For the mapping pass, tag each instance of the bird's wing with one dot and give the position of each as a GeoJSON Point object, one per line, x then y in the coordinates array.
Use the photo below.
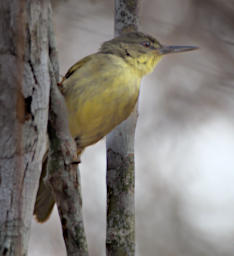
{"type": "Point", "coordinates": [75, 67]}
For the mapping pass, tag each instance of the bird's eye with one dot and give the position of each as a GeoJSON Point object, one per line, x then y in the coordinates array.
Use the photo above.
{"type": "Point", "coordinates": [146, 44]}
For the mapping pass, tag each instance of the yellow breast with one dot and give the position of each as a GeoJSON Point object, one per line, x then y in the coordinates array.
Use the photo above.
{"type": "Point", "coordinates": [99, 95]}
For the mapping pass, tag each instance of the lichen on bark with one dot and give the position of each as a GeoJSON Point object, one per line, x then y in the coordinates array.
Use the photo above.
{"type": "Point", "coordinates": [120, 235]}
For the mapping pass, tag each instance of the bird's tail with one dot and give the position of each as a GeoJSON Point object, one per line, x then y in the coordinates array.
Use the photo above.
{"type": "Point", "coordinates": [44, 201]}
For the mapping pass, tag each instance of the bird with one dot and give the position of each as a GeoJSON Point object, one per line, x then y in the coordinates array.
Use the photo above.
{"type": "Point", "coordinates": [101, 91]}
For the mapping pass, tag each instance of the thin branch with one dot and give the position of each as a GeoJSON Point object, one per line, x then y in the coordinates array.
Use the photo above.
{"type": "Point", "coordinates": [120, 238]}
{"type": "Point", "coordinates": [63, 173]}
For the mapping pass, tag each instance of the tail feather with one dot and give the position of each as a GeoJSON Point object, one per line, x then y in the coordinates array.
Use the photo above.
{"type": "Point", "coordinates": [44, 201]}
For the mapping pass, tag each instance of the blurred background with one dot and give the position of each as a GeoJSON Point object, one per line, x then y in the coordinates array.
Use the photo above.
{"type": "Point", "coordinates": [185, 133]}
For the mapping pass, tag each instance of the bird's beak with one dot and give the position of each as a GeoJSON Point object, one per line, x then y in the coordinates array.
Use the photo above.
{"type": "Point", "coordinates": [175, 49]}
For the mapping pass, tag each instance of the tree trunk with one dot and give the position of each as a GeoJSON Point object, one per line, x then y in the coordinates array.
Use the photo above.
{"type": "Point", "coordinates": [25, 83]}
{"type": "Point", "coordinates": [120, 238]}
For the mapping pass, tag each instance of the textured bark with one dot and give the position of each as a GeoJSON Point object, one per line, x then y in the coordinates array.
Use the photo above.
{"type": "Point", "coordinates": [120, 237]}
{"type": "Point", "coordinates": [25, 83]}
{"type": "Point", "coordinates": [63, 176]}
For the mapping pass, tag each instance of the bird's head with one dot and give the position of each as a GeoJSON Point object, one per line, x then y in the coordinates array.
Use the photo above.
{"type": "Point", "coordinates": [141, 51]}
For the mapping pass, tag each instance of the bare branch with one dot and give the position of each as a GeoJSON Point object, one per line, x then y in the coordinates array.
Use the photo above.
{"type": "Point", "coordinates": [63, 174]}
{"type": "Point", "coordinates": [120, 238]}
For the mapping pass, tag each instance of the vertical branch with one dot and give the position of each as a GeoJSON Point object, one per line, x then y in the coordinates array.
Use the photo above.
{"type": "Point", "coordinates": [63, 174]}
{"type": "Point", "coordinates": [120, 237]}
{"type": "Point", "coordinates": [126, 16]}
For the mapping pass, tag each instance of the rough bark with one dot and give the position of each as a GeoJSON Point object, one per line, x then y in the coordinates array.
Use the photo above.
{"type": "Point", "coordinates": [63, 176]}
{"type": "Point", "coordinates": [120, 237]}
{"type": "Point", "coordinates": [25, 83]}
